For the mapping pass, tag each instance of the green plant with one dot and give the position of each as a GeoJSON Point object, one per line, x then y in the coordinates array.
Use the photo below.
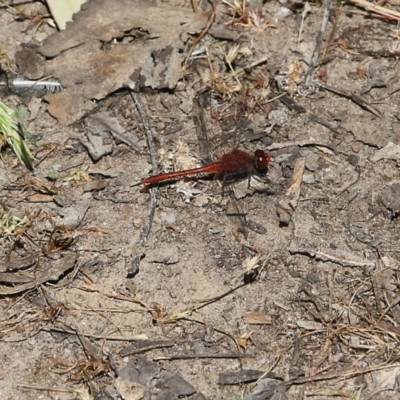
{"type": "Point", "coordinates": [13, 133]}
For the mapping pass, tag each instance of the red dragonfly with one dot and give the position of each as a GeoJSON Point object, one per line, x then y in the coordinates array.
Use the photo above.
{"type": "Point", "coordinates": [232, 165]}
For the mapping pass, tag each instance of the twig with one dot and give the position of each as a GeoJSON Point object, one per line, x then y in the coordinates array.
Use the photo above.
{"type": "Point", "coordinates": [386, 12]}
{"type": "Point", "coordinates": [186, 313]}
{"type": "Point", "coordinates": [318, 120]}
{"type": "Point", "coordinates": [393, 303]}
{"type": "Point", "coordinates": [47, 388]}
{"type": "Point", "coordinates": [275, 362]}
{"type": "Point", "coordinates": [335, 24]}
{"type": "Point", "coordinates": [355, 99]}
{"type": "Point", "coordinates": [146, 346]}
{"type": "Point", "coordinates": [202, 34]}
{"type": "Point", "coordinates": [144, 233]}
{"type": "Point", "coordinates": [194, 6]}
{"type": "Point", "coordinates": [200, 304]}
{"type": "Point", "coordinates": [192, 356]}
{"type": "Point", "coordinates": [352, 183]}
{"type": "Point", "coordinates": [342, 374]}
{"type": "Point", "coordinates": [96, 337]}
{"type": "Point", "coordinates": [256, 63]}
{"type": "Point", "coordinates": [292, 104]}
{"type": "Point", "coordinates": [318, 42]}
{"type": "Point", "coordinates": [350, 260]}
{"type": "Point", "coordinates": [300, 143]}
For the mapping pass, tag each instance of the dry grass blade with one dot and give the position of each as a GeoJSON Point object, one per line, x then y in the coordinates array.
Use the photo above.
{"type": "Point", "coordinates": [318, 41]}
{"type": "Point", "coordinates": [346, 373]}
{"type": "Point", "coordinates": [382, 11]}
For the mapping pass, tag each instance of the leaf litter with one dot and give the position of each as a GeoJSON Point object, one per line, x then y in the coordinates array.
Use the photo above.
{"type": "Point", "coordinates": [108, 47]}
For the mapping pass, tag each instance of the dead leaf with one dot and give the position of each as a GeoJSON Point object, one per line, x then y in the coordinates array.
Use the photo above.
{"type": "Point", "coordinates": [53, 273]}
{"type": "Point", "coordinates": [90, 63]}
{"type": "Point", "coordinates": [62, 11]}
{"type": "Point", "coordinates": [13, 265]}
{"type": "Point", "coordinates": [40, 198]}
{"type": "Point", "coordinates": [256, 318]}
{"type": "Point", "coordinates": [385, 380]}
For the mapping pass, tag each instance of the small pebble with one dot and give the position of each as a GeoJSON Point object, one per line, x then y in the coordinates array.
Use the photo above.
{"type": "Point", "coordinates": [312, 162]}
{"type": "Point", "coordinates": [170, 218]}
{"type": "Point", "coordinates": [356, 147]}
{"type": "Point", "coordinates": [308, 178]}
{"type": "Point", "coordinates": [283, 12]}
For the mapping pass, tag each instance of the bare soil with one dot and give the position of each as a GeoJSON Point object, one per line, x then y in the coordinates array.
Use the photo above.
{"type": "Point", "coordinates": [325, 265]}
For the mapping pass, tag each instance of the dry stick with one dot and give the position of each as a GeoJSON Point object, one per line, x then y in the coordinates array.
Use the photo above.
{"type": "Point", "coordinates": [393, 303]}
{"type": "Point", "coordinates": [194, 356]}
{"type": "Point", "coordinates": [156, 345]}
{"type": "Point", "coordinates": [47, 388]}
{"type": "Point", "coordinates": [202, 34]}
{"type": "Point", "coordinates": [330, 38]}
{"type": "Point", "coordinates": [185, 314]}
{"type": "Point", "coordinates": [353, 98]}
{"type": "Point", "coordinates": [325, 256]}
{"type": "Point", "coordinates": [95, 337]}
{"type": "Point", "coordinates": [144, 233]}
{"type": "Point", "coordinates": [300, 143]}
{"type": "Point", "coordinates": [194, 6]}
{"type": "Point", "coordinates": [318, 42]}
{"type": "Point", "coordinates": [386, 12]}
{"type": "Point", "coordinates": [352, 183]}
{"type": "Point", "coordinates": [293, 105]}
{"type": "Point", "coordinates": [272, 365]}
{"type": "Point", "coordinates": [320, 121]}
{"type": "Point", "coordinates": [342, 374]}
{"type": "Point", "coordinates": [200, 304]}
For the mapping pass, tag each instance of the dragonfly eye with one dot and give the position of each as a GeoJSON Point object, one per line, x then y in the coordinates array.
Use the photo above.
{"type": "Point", "coordinates": [262, 159]}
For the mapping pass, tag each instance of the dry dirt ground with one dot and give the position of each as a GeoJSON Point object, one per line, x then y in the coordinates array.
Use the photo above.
{"type": "Point", "coordinates": [317, 310]}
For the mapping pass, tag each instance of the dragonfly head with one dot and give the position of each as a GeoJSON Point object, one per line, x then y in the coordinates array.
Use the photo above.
{"type": "Point", "coordinates": [261, 159]}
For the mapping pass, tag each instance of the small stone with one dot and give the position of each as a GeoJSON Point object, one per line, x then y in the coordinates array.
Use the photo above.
{"type": "Point", "coordinates": [312, 162]}
{"type": "Point", "coordinates": [176, 384]}
{"type": "Point", "coordinates": [356, 147]}
{"type": "Point", "coordinates": [283, 12]}
{"type": "Point", "coordinates": [94, 144]}
{"type": "Point", "coordinates": [390, 197]}
{"type": "Point", "coordinates": [308, 178]}
{"type": "Point", "coordinates": [170, 218]}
